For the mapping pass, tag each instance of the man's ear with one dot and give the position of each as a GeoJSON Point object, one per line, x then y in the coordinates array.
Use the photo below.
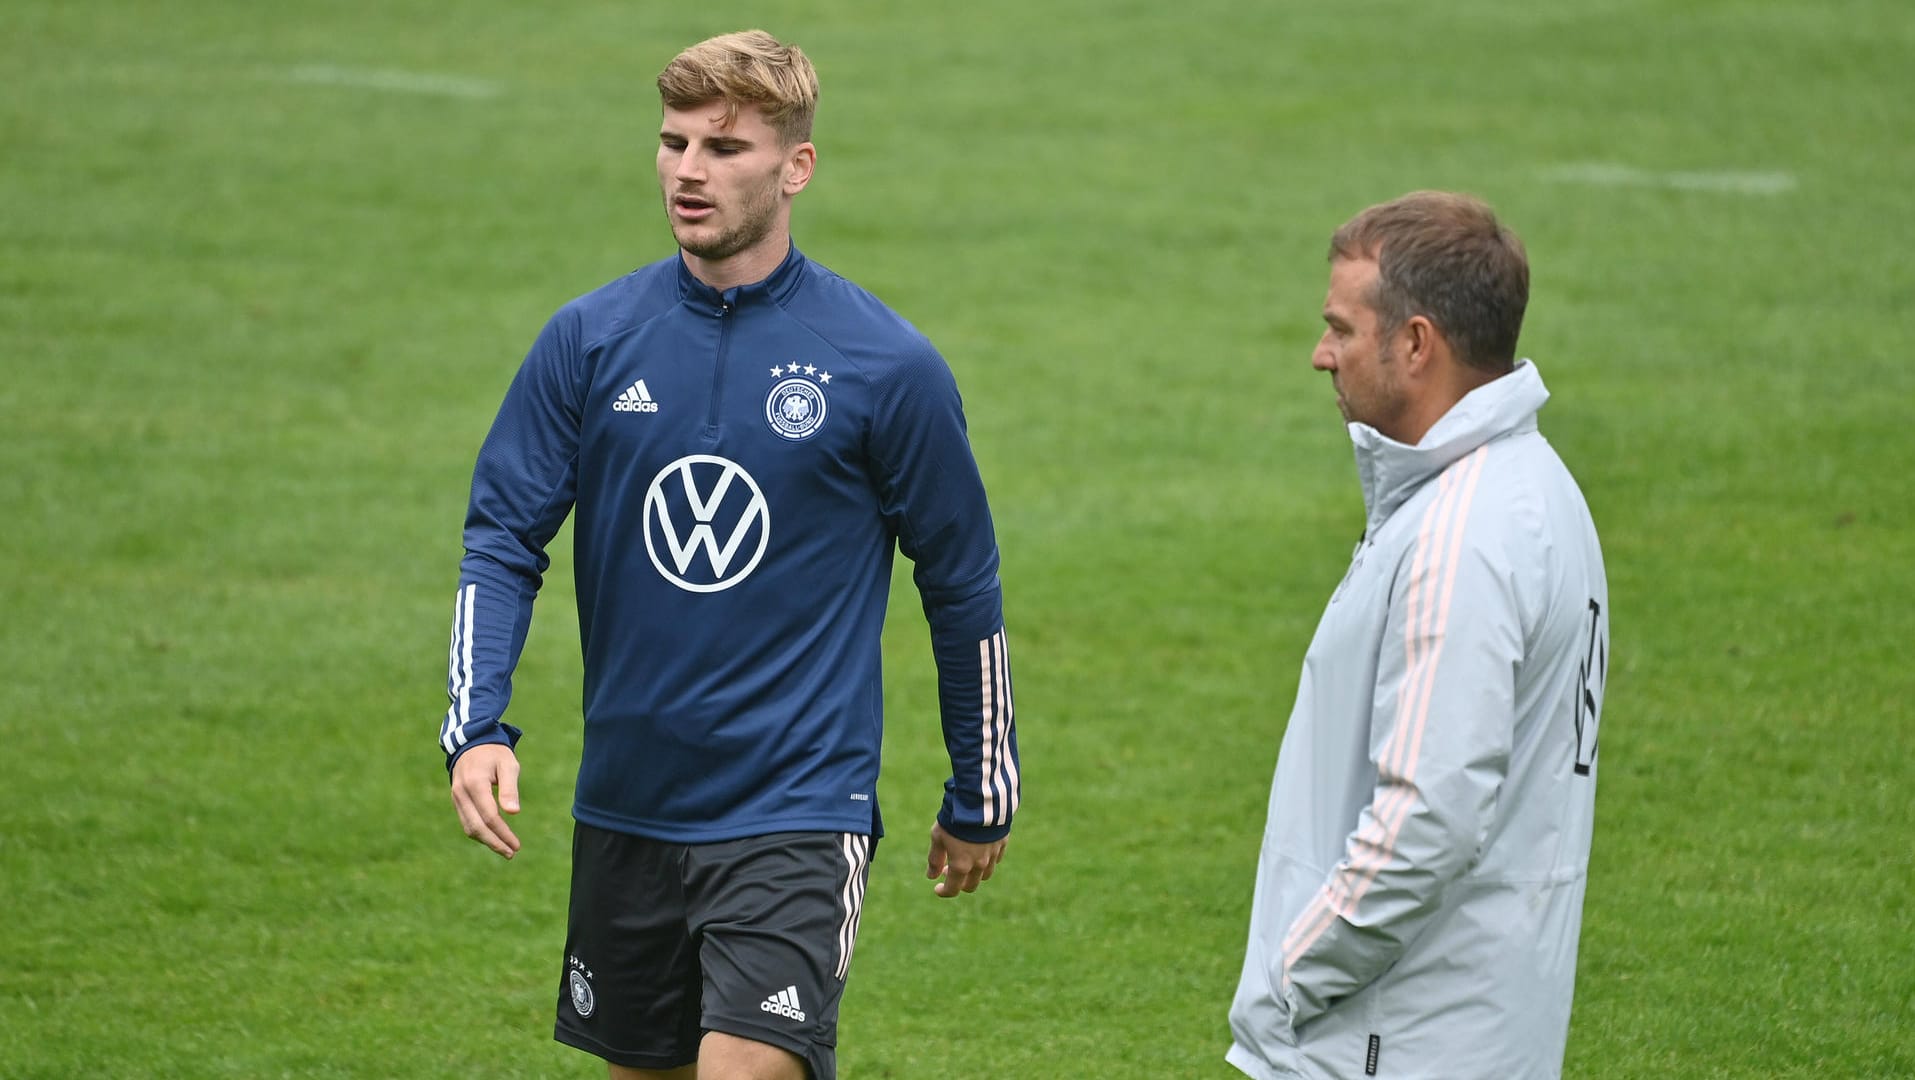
{"type": "Point", "coordinates": [799, 165]}
{"type": "Point", "coordinates": [1423, 343]}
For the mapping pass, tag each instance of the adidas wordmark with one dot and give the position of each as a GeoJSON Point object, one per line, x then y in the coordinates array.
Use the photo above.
{"type": "Point", "coordinates": [785, 1004]}
{"type": "Point", "coordinates": [635, 399]}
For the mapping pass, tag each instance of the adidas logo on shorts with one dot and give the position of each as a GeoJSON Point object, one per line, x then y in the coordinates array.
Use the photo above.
{"type": "Point", "coordinates": [636, 398]}
{"type": "Point", "coordinates": [784, 1003]}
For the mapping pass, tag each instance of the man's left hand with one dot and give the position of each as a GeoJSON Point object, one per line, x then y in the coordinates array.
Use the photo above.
{"type": "Point", "coordinates": [963, 865]}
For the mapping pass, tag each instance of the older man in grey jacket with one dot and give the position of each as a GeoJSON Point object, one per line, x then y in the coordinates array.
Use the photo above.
{"type": "Point", "coordinates": [1420, 889]}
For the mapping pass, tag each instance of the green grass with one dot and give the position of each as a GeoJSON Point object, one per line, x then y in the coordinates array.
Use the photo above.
{"type": "Point", "coordinates": [252, 327]}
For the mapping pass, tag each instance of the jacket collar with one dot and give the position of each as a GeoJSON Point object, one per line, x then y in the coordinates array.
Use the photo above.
{"type": "Point", "coordinates": [775, 287]}
{"type": "Point", "coordinates": [1391, 472]}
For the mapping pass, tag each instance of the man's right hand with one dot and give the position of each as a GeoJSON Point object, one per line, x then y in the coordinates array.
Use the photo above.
{"type": "Point", "coordinates": [479, 772]}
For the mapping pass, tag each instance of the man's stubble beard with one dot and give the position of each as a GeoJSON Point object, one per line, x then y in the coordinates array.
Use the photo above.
{"type": "Point", "coordinates": [759, 217]}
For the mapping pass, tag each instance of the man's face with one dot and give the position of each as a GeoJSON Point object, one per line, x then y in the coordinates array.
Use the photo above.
{"type": "Point", "coordinates": [1365, 369]}
{"type": "Point", "coordinates": [724, 184]}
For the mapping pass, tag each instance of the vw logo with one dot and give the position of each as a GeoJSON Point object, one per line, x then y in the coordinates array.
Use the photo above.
{"type": "Point", "coordinates": [687, 505]}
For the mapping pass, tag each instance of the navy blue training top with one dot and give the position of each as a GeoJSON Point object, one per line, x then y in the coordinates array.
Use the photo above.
{"type": "Point", "coordinates": [743, 465]}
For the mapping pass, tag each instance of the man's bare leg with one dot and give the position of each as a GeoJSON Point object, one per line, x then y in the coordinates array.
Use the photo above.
{"type": "Point", "coordinates": [729, 1057]}
{"type": "Point", "coordinates": [683, 1072]}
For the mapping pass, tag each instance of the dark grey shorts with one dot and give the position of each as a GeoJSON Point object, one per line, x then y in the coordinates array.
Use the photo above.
{"type": "Point", "coordinates": [750, 937]}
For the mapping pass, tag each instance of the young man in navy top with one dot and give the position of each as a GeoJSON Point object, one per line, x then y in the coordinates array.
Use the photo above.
{"type": "Point", "coordinates": [745, 438]}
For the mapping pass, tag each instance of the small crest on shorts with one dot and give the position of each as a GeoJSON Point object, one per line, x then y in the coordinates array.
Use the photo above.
{"type": "Point", "coordinates": [795, 409]}
{"type": "Point", "coordinates": [580, 981]}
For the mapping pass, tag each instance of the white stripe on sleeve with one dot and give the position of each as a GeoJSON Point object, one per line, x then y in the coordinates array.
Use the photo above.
{"type": "Point", "coordinates": [998, 780]}
{"type": "Point", "coordinates": [988, 740]}
{"type": "Point", "coordinates": [459, 673]}
{"type": "Point", "coordinates": [1007, 761]}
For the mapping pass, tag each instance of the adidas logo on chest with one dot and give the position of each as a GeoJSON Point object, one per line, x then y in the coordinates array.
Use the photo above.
{"type": "Point", "coordinates": [636, 398]}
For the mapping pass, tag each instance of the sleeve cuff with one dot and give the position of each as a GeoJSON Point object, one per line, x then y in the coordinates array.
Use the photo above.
{"type": "Point", "coordinates": [973, 834]}
{"type": "Point", "coordinates": [497, 733]}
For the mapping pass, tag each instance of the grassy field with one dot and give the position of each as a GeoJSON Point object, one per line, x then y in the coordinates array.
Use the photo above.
{"type": "Point", "coordinates": [265, 270]}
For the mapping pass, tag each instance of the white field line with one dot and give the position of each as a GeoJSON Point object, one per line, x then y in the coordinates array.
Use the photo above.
{"type": "Point", "coordinates": [1603, 174]}
{"type": "Point", "coordinates": [400, 82]}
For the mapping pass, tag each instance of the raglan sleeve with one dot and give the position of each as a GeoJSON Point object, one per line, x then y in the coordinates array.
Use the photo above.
{"type": "Point", "coordinates": [523, 486]}
{"type": "Point", "coordinates": [1442, 727]}
{"type": "Point", "coordinates": [933, 497]}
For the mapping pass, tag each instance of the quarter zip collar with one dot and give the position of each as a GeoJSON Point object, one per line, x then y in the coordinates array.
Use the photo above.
{"type": "Point", "coordinates": [1391, 472]}
{"type": "Point", "coordinates": [775, 288]}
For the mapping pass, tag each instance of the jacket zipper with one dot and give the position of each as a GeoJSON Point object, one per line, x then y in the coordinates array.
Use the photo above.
{"type": "Point", "coordinates": [725, 311]}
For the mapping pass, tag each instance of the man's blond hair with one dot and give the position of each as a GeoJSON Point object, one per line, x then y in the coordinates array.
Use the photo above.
{"type": "Point", "coordinates": [749, 67]}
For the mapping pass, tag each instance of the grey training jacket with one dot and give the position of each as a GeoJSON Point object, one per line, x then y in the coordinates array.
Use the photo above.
{"type": "Point", "coordinates": [1420, 888]}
